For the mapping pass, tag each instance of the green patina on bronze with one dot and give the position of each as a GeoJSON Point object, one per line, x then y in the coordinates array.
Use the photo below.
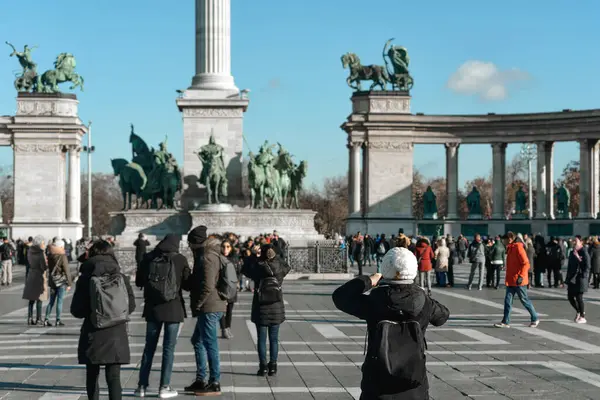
{"type": "Point", "coordinates": [562, 230]}
{"type": "Point", "coordinates": [213, 175]}
{"type": "Point", "coordinates": [470, 230]}
{"type": "Point", "coordinates": [30, 81]}
{"type": "Point", "coordinates": [474, 202]}
{"type": "Point", "coordinates": [275, 177]}
{"type": "Point", "coordinates": [150, 176]}
{"type": "Point", "coordinates": [431, 229]}
{"type": "Point", "coordinates": [518, 228]}
{"type": "Point", "coordinates": [429, 202]}
{"type": "Point", "coordinates": [520, 201]}
{"type": "Point", "coordinates": [563, 200]}
{"type": "Point", "coordinates": [380, 75]}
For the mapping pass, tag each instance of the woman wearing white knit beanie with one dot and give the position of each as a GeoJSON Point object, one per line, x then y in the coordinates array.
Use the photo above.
{"type": "Point", "coordinates": [396, 302]}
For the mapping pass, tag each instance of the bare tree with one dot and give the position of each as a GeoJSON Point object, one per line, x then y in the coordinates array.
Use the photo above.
{"type": "Point", "coordinates": [106, 197]}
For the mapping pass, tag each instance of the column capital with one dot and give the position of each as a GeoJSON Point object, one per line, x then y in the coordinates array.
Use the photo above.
{"type": "Point", "coordinates": [452, 145]}
{"type": "Point", "coordinates": [74, 148]}
{"type": "Point", "coordinates": [354, 144]}
{"type": "Point", "coordinates": [499, 146]}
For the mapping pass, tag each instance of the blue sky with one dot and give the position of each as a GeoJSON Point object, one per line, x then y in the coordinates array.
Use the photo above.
{"type": "Point", "coordinates": [134, 54]}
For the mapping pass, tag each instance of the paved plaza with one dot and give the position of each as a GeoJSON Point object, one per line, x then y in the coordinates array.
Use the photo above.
{"type": "Point", "coordinates": [322, 350]}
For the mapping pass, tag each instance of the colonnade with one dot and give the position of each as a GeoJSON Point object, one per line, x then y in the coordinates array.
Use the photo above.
{"type": "Point", "coordinates": [74, 184]}
{"type": "Point", "coordinates": [589, 186]}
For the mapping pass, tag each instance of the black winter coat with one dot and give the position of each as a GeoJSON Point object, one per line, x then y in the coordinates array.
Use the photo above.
{"type": "Point", "coordinates": [141, 246]}
{"type": "Point", "coordinates": [578, 272]}
{"type": "Point", "coordinates": [174, 310]}
{"type": "Point", "coordinates": [266, 314]}
{"type": "Point", "coordinates": [99, 346]}
{"type": "Point", "coordinates": [595, 259]}
{"type": "Point", "coordinates": [388, 303]}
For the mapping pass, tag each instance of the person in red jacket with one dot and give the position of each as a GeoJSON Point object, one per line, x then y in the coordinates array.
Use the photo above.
{"type": "Point", "coordinates": [425, 257]}
{"type": "Point", "coordinates": [517, 279]}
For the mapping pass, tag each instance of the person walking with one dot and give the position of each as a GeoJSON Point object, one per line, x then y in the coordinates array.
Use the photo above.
{"type": "Point", "coordinates": [208, 308]}
{"type": "Point", "coordinates": [476, 256]}
{"type": "Point", "coordinates": [36, 284]}
{"type": "Point", "coordinates": [99, 345]}
{"type": "Point", "coordinates": [268, 310]}
{"type": "Point", "coordinates": [231, 258]}
{"type": "Point", "coordinates": [462, 244]}
{"type": "Point", "coordinates": [7, 253]}
{"type": "Point", "coordinates": [453, 260]}
{"type": "Point", "coordinates": [442, 256]}
{"type": "Point", "coordinates": [141, 246]}
{"type": "Point", "coordinates": [497, 255]}
{"type": "Point", "coordinates": [539, 263]}
{"type": "Point", "coordinates": [578, 271]}
{"type": "Point", "coordinates": [164, 307]}
{"type": "Point", "coordinates": [60, 281]}
{"type": "Point", "coordinates": [425, 258]}
{"type": "Point", "coordinates": [517, 279]}
{"type": "Point", "coordinates": [595, 264]}
{"type": "Point", "coordinates": [398, 304]}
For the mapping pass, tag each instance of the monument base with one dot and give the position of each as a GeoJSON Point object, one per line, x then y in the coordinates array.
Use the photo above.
{"type": "Point", "coordinates": [155, 224]}
{"type": "Point", "coordinates": [48, 230]}
{"type": "Point", "coordinates": [474, 217]}
{"type": "Point", "coordinates": [564, 215]}
{"type": "Point", "coordinates": [430, 216]}
{"type": "Point", "coordinates": [297, 227]}
{"type": "Point", "coordinates": [519, 216]}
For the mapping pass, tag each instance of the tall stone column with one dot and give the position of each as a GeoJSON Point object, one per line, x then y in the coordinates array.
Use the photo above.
{"type": "Point", "coordinates": [499, 179]}
{"type": "Point", "coordinates": [452, 179]}
{"type": "Point", "coordinates": [354, 178]}
{"type": "Point", "coordinates": [365, 177]}
{"type": "Point", "coordinates": [213, 45]}
{"type": "Point", "coordinates": [549, 154]}
{"type": "Point", "coordinates": [74, 189]}
{"type": "Point", "coordinates": [586, 175]}
{"type": "Point", "coordinates": [541, 211]}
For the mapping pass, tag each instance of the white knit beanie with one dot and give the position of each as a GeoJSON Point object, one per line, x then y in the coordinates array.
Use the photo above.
{"type": "Point", "coordinates": [399, 264]}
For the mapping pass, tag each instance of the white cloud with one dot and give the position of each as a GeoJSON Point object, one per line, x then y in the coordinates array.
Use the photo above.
{"type": "Point", "coordinates": [484, 79]}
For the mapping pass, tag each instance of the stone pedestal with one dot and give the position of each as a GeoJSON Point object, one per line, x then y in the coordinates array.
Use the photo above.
{"type": "Point", "coordinates": [155, 224]}
{"type": "Point", "coordinates": [519, 216]}
{"type": "Point", "coordinates": [474, 217]}
{"type": "Point", "coordinates": [430, 216]}
{"type": "Point", "coordinates": [297, 227]}
{"type": "Point", "coordinates": [45, 128]}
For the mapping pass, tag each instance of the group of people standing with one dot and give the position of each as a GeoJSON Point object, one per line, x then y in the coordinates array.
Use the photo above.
{"type": "Point", "coordinates": [211, 302]}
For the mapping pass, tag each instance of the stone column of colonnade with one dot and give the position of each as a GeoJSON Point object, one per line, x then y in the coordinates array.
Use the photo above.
{"type": "Point", "coordinates": [544, 202]}
{"type": "Point", "coordinates": [498, 179]}
{"type": "Point", "coordinates": [452, 179]}
{"type": "Point", "coordinates": [354, 178]}
{"type": "Point", "coordinates": [74, 185]}
{"type": "Point", "coordinates": [587, 172]}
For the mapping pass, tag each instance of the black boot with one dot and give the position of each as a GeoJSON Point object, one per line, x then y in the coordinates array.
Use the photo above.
{"type": "Point", "coordinates": [272, 368]}
{"type": "Point", "coordinates": [262, 370]}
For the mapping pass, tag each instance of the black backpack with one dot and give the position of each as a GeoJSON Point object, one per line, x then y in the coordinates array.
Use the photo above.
{"type": "Point", "coordinates": [162, 279]}
{"type": "Point", "coordinates": [109, 300]}
{"type": "Point", "coordinates": [6, 252]}
{"type": "Point", "coordinates": [269, 289]}
{"type": "Point", "coordinates": [396, 355]}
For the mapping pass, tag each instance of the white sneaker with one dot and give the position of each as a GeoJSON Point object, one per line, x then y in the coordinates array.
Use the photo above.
{"type": "Point", "coordinates": [581, 320]}
{"type": "Point", "coordinates": [140, 392]}
{"type": "Point", "coordinates": [501, 325]}
{"type": "Point", "coordinates": [167, 393]}
{"type": "Point", "coordinates": [577, 317]}
{"type": "Point", "coordinates": [534, 324]}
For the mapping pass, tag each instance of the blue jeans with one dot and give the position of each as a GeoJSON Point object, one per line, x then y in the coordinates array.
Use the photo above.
{"type": "Point", "coordinates": [57, 295]}
{"type": "Point", "coordinates": [520, 291]}
{"type": "Point", "coordinates": [206, 346]}
{"type": "Point", "coordinates": [261, 336]}
{"type": "Point", "coordinates": [168, 354]}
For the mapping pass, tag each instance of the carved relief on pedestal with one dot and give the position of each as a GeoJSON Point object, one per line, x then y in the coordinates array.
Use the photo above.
{"type": "Point", "coordinates": [390, 105]}
{"type": "Point", "coordinates": [391, 146]}
{"type": "Point", "coordinates": [46, 108]}
{"type": "Point", "coordinates": [37, 148]}
{"type": "Point", "coordinates": [213, 112]}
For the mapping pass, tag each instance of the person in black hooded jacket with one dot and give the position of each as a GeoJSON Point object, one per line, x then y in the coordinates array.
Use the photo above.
{"type": "Point", "coordinates": [101, 346]}
{"type": "Point", "coordinates": [159, 314]}
{"type": "Point", "coordinates": [400, 299]}
{"type": "Point", "coordinates": [266, 317]}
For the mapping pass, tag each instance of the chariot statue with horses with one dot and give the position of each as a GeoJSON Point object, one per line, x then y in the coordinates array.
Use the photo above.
{"type": "Point", "coordinates": [273, 177]}
{"type": "Point", "coordinates": [152, 177]}
{"type": "Point", "coordinates": [381, 75]}
{"type": "Point", "coordinates": [29, 81]}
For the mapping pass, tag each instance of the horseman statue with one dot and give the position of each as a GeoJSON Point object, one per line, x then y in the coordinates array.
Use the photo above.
{"type": "Point", "coordinates": [274, 177]}
{"type": "Point", "coordinates": [214, 174]}
{"type": "Point", "coordinates": [381, 75]}
{"type": "Point", "coordinates": [30, 81]}
{"type": "Point", "coordinates": [150, 176]}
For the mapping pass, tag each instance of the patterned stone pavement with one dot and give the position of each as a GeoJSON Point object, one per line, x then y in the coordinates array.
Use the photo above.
{"type": "Point", "coordinates": [322, 350]}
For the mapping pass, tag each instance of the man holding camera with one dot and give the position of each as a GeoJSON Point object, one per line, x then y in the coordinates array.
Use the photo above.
{"type": "Point", "coordinates": [517, 279]}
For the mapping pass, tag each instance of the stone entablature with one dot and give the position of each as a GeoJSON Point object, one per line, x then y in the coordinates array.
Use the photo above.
{"type": "Point", "coordinates": [389, 120]}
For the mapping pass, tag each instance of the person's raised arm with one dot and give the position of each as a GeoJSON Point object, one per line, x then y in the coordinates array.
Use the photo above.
{"type": "Point", "coordinates": [349, 297]}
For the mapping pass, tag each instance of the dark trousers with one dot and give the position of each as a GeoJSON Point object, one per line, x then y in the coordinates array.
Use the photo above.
{"type": "Point", "coordinates": [451, 273]}
{"type": "Point", "coordinates": [113, 381]}
{"type": "Point", "coordinates": [225, 321]}
{"type": "Point", "coordinates": [493, 276]}
{"type": "Point", "coordinates": [359, 261]}
{"type": "Point", "coordinates": [38, 309]}
{"type": "Point", "coordinates": [262, 332]}
{"type": "Point", "coordinates": [539, 276]}
{"type": "Point", "coordinates": [558, 279]}
{"type": "Point", "coordinates": [596, 281]}
{"type": "Point", "coordinates": [576, 300]}
{"type": "Point", "coordinates": [489, 275]}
